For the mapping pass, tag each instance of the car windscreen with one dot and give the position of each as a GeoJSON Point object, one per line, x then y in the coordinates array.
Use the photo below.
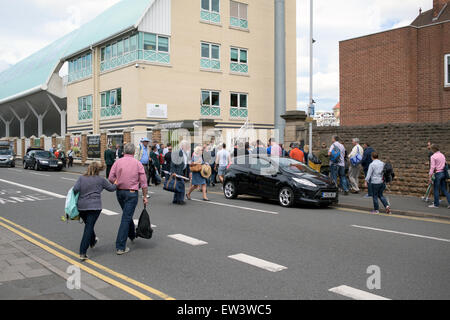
{"type": "Point", "coordinates": [5, 152]}
{"type": "Point", "coordinates": [44, 154]}
{"type": "Point", "coordinates": [293, 166]}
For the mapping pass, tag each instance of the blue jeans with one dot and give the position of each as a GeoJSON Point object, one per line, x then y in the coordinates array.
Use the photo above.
{"type": "Point", "coordinates": [89, 218]}
{"type": "Point", "coordinates": [339, 171]}
{"type": "Point", "coordinates": [128, 202]}
{"type": "Point", "coordinates": [377, 192]}
{"type": "Point", "coordinates": [440, 184]}
{"type": "Point", "coordinates": [178, 197]}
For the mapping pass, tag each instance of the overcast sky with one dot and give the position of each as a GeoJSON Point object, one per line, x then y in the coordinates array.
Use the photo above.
{"type": "Point", "coordinates": [41, 22]}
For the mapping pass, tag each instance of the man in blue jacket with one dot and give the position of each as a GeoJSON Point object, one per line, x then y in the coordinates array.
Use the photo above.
{"type": "Point", "coordinates": [366, 161]}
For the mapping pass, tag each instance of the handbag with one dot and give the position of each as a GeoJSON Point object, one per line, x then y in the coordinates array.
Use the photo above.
{"type": "Point", "coordinates": [446, 172]}
{"type": "Point", "coordinates": [195, 167]}
{"type": "Point", "coordinates": [71, 208]}
{"type": "Point", "coordinates": [174, 185]}
{"type": "Point", "coordinates": [144, 228]}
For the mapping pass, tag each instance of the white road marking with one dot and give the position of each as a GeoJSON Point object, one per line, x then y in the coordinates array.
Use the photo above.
{"type": "Point", "coordinates": [136, 222]}
{"type": "Point", "coordinates": [263, 264]}
{"type": "Point", "coordinates": [403, 233]}
{"type": "Point", "coordinates": [188, 240]}
{"type": "Point", "coordinates": [356, 294]}
{"type": "Point", "coordinates": [69, 179]}
{"type": "Point", "coordinates": [232, 206]}
{"type": "Point", "coordinates": [40, 174]}
{"type": "Point", "coordinates": [34, 189]}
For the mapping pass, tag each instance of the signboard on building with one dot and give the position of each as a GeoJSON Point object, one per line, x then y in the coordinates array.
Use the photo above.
{"type": "Point", "coordinates": [75, 141]}
{"type": "Point", "coordinates": [115, 139]}
{"type": "Point", "coordinates": [93, 147]}
{"type": "Point", "coordinates": [158, 111]}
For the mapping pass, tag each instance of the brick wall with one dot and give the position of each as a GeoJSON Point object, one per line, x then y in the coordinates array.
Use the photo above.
{"type": "Point", "coordinates": [403, 144]}
{"type": "Point", "coordinates": [395, 77]}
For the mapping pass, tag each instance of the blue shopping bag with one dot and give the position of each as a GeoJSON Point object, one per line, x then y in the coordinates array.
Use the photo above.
{"type": "Point", "coordinates": [71, 208]}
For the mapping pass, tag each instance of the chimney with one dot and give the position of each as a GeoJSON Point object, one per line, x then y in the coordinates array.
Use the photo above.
{"type": "Point", "coordinates": [437, 7]}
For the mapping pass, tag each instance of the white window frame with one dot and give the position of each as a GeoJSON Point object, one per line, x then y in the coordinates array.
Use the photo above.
{"type": "Point", "coordinates": [447, 70]}
{"type": "Point", "coordinates": [210, 44]}
{"type": "Point", "coordinates": [239, 99]}
{"type": "Point", "coordinates": [210, 7]}
{"type": "Point", "coordinates": [239, 9]}
{"type": "Point", "coordinates": [157, 43]}
{"type": "Point", "coordinates": [210, 98]}
{"type": "Point", "coordinates": [239, 55]}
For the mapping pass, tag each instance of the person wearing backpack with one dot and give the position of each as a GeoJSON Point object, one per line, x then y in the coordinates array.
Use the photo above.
{"type": "Point", "coordinates": [355, 165]}
{"type": "Point", "coordinates": [439, 167]}
{"type": "Point", "coordinates": [337, 164]}
{"type": "Point", "coordinates": [375, 176]}
{"type": "Point", "coordinates": [89, 188]}
{"type": "Point", "coordinates": [366, 161]}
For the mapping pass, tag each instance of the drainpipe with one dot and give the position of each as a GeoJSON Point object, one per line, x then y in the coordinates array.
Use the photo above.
{"type": "Point", "coordinates": [280, 67]}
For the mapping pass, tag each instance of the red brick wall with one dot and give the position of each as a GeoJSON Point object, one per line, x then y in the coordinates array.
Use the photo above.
{"type": "Point", "coordinates": [395, 77]}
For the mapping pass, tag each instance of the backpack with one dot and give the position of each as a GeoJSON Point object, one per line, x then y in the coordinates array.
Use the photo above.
{"type": "Point", "coordinates": [144, 228]}
{"type": "Point", "coordinates": [388, 173]}
{"type": "Point", "coordinates": [335, 155]}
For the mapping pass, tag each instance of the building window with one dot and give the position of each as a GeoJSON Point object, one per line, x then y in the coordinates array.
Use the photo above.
{"type": "Point", "coordinates": [141, 46]}
{"type": "Point", "coordinates": [85, 108]}
{"type": "Point", "coordinates": [210, 11]}
{"type": "Point", "coordinates": [239, 105]}
{"type": "Point", "coordinates": [210, 56]}
{"type": "Point", "coordinates": [111, 103]}
{"type": "Point", "coordinates": [239, 60]}
{"type": "Point", "coordinates": [80, 68]}
{"type": "Point", "coordinates": [210, 103]}
{"type": "Point", "coordinates": [447, 70]}
{"type": "Point", "coordinates": [239, 15]}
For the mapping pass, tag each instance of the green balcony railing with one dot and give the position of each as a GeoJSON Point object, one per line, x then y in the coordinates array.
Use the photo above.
{"type": "Point", "coordinates": [209, 64]}
{"type": "Point", "coordinates": [239, 67]}
{"type": "Point", "coordinates": [210, 16]}
{"type": "Point", "coordinates": [84, 115]}
{"type": "Point", "coordinates": [238, 112]}
{"type": "Point", "coordinates": [208, 111]}
{"type": "Point", "coordinates": [129, 57]}
{"type": "Point", "coordinates": [239, 23]}
{"type": "Point", "coordinates": [79, 75]}
{"type": "Point", "coordinates": [114, 111]}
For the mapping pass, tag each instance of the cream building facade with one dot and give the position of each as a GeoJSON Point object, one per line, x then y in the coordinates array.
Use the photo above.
{"type": "Point", "coordinates": [184, 61]}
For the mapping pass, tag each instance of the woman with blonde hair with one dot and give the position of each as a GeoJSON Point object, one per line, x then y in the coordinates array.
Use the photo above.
{"type": "Point", "coordinates": [197, 178]}
{"type": "Point", "coordinates": [89, 187]}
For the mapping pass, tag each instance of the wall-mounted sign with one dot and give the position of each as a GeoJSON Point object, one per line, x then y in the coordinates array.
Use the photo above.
{"type": "Point", "coordinates": [93, 147]}
{"type": "Point", "coordinates": [157, 111]}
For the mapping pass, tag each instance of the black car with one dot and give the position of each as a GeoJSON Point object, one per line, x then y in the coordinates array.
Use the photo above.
{"type": "Point", "coordinates": [7, 158]}
{"type": "Point", "coordinates": [39, 159]}
{"type": "Point", "coordinates": [283, 179]}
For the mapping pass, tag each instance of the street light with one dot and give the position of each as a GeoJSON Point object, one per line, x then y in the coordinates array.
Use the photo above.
{"type": "Point", "coordinates": [311, 108]}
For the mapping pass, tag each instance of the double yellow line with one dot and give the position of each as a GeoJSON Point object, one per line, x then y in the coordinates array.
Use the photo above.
{"type": "Point", "coordinates": [13, 227]}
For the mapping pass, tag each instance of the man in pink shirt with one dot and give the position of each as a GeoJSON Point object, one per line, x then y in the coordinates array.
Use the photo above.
{"type": "Point", "coordinates": [437, 167]}
{"type": "Point", "coordinates": [129, 176]}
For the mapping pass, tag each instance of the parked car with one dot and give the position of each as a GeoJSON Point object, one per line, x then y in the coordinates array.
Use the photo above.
{"type": "Point", "coordinates": [7, 158]}
{"type": "Point", "coordinates": [283, 179]}
{"type": "Point", "coordinates": [39, 159]}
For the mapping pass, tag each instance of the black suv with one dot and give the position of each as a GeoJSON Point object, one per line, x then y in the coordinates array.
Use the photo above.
{"type": "Point", "coordinates": [39, 159]}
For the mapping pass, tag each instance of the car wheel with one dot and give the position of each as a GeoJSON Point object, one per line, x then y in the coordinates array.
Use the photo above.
{"type": "Point", "coordinates": [13, 165]}
{"type": "Point", "coordinates": [230, 190]}
{"type": "Point", "coordinates": [36, 166]}
{"type": "Point", "coordinates": [286, 197]}
{"type": "Point", "coordinates": [25, 165]}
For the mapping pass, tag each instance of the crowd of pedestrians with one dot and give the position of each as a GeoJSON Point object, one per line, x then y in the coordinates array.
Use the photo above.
{"type": "Point", "coordinates": [133, 169]}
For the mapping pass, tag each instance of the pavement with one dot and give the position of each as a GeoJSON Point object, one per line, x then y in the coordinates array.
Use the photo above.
{"type": "Point", "coordinates": [243, 249]}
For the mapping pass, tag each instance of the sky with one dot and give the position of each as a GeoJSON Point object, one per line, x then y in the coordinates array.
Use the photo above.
{"type": "Point", "coordinates": [41, 22]}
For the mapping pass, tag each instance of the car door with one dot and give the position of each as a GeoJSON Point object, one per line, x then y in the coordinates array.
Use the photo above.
{"type": "Point", "coordinates": [242, 175]}
{"type": "Point", "coordinates": [268, 180]}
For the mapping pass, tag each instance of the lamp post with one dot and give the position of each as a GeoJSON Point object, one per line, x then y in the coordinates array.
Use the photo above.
{"type": "Point", "coordinates": [311, 101]}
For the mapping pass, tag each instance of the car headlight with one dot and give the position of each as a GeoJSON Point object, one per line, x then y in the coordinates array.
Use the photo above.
{"type": "Point", "coordinates": [304, 182]}
{"type": "Point", "coordinates": [11, 158]}
{"type": "Point", "coordinates": [44, 162]}
{"type": "Point", "coordinates": [59, 162]}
